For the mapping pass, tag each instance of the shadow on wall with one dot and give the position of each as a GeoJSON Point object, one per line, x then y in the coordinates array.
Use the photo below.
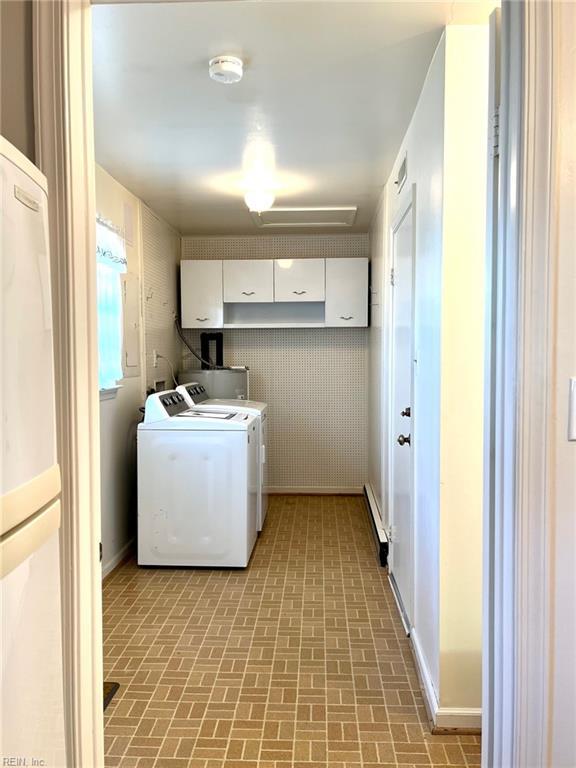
{"type": "Point", "coordinates": [16, 75]}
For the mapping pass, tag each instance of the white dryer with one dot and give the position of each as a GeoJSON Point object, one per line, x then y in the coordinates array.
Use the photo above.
{"type": "Point", "coordinates": [197, 397]}
{"type": "Point", "coordinates": [197, 485]}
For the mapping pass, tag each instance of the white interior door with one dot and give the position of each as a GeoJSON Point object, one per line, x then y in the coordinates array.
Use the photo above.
{"type": "Point", "coordinates": [400, 475]}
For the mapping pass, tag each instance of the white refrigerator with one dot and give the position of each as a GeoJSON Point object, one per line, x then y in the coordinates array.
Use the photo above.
{"type": "Point", "coordinates": [31, 704]}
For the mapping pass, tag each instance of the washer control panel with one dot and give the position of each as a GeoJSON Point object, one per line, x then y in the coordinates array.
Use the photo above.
{"type": "Point", "coordinates": [173, 403]}
{"type": "Point", "coordinates": [197, 393]}
{"type": "Point", "coordinates": [163, 405]}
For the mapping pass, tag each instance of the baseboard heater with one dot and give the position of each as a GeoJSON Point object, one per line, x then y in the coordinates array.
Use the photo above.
{"type": "Point", "coordinates": [378, 532]}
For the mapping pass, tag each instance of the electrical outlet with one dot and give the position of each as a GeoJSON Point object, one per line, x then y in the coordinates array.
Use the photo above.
{"type": "Point", "coordinates": [154, 358]}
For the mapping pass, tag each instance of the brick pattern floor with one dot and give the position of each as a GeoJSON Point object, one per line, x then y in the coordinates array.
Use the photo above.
{"type": "Point", "coordinates": [299, 661]}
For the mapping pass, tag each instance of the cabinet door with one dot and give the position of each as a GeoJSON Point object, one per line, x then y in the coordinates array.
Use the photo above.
{"type": "Point", "coordinates": [299, 280]}
{"type": "Point", "coordinates": [346, 292]}
{"type": "Point", "coordinates": [248, 280]}
{"type": "Point", "coordinates": [201, 294]}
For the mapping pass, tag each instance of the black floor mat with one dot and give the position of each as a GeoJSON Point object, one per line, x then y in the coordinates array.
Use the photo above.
{"type": "Point", "coordinates": [109, 692]}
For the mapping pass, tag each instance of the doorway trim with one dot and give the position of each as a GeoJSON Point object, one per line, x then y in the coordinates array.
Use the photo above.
{"type": "Point", "coordinates": [518, 589]}
{"type": "Point", "coordinates": [536, 308]}
{"type": "Point", "coordinates": [63, 109]}
{"type": "Point", "coordinates": [65, 154]}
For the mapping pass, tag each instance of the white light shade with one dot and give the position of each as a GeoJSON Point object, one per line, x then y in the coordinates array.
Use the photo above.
{"type": "Point", "coordinates": [259, 200]}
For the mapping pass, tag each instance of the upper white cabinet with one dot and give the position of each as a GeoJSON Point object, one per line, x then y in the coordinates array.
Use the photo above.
{"type": "Point", "coordinates": [201, 294]}
{"type": "Point", "coordinates": [249, 280]}
{"type": "Point", "coordinates": [346, 292]}
{"type": "Point", "coordinates": [285, 293]}
{"type": "Point", "coordinates": [299, 280]}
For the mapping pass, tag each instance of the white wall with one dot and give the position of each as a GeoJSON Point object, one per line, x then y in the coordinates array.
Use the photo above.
{"type": "Point", "coordinates": [153, 255]}
{"type": "Point", "coordinates": [446, 149]}
{"type": "Point", "coordinates": [462, 365]}
{"type": "Point", "coordinates": [314, 379]}
{"type": "Point", "coordinates": [160, 259]}
{"type": "Point", "coordinates": [119, 415]}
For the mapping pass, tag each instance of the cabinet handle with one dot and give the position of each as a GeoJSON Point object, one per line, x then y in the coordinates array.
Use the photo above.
{"type": "Point", "coordinates": [346, 317]}
{"type": "Point", "coordinates": [248, 293]}
{"type": "Point", "coordinates": [299, 293]}
{"type": "Point", "coordinates": [201, 319]}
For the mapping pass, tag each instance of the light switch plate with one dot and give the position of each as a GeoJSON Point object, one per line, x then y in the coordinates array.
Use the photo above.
{"type": "Point", "coordinates": [572, 410]}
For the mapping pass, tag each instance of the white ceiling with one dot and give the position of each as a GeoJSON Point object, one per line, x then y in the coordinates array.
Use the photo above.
{"type": "Point", "coordinates": [331, 85]}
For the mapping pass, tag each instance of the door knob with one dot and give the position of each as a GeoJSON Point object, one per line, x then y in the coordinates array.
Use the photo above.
{"type": "Point", "coordinates": [403, 439]}
{"type": "Point", "coordinates": [405, 412]}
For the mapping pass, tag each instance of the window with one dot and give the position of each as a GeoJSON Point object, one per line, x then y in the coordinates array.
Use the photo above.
{"type": "Point", "coordinates": [110, 264]}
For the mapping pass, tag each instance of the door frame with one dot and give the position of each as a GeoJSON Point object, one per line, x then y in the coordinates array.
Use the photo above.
{"type": "Point", "coordinates": [65, 154]}
{"type": "Point", "coordinates": [64, 128]}
{"type": "Point", "coordinates": [519, 500]}
{"type": "Point", "coordinates": [405, 206]}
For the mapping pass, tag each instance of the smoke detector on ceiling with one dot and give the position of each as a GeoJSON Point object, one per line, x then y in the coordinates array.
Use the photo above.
{"type": "Point", "coordinates": [226, 69]}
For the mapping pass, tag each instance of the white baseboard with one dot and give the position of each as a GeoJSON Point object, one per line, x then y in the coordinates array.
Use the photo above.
{"type": "Point", "coordinates": [452, 718]}
{"type": "Point", "coordinates": [459, 718]}
{"type": "Point", "coordinates": [118, 557]}
{"type": "Point", "coordinates": [425, 677]}
{"type": "Point", "coordinates": [375, 511]}
{"type": "Point", "coordinates": [324, 490]}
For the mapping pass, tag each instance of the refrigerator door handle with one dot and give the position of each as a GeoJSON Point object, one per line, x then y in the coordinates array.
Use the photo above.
{"type": "Point", "coordinates": [23, 541]}
{"type": "Point", "coordinates": [26, 500]}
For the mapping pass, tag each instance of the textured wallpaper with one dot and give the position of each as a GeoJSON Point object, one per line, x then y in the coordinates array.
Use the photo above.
{"type": "Point", "coordinates": [314, 379]}
{"type": "Point", "coordinates": [161, 258]}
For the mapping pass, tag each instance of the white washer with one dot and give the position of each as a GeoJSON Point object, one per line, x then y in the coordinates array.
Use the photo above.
{"type": "Point", "coordinates": [197, 485]}
{"type": "Point", "coordinates": [197, 397]}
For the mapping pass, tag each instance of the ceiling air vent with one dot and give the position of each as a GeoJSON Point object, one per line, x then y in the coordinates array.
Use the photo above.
{"type": "Point", "coordinates": [306, 217]}
{"type": "Point", "coordinates": [402, 174]}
